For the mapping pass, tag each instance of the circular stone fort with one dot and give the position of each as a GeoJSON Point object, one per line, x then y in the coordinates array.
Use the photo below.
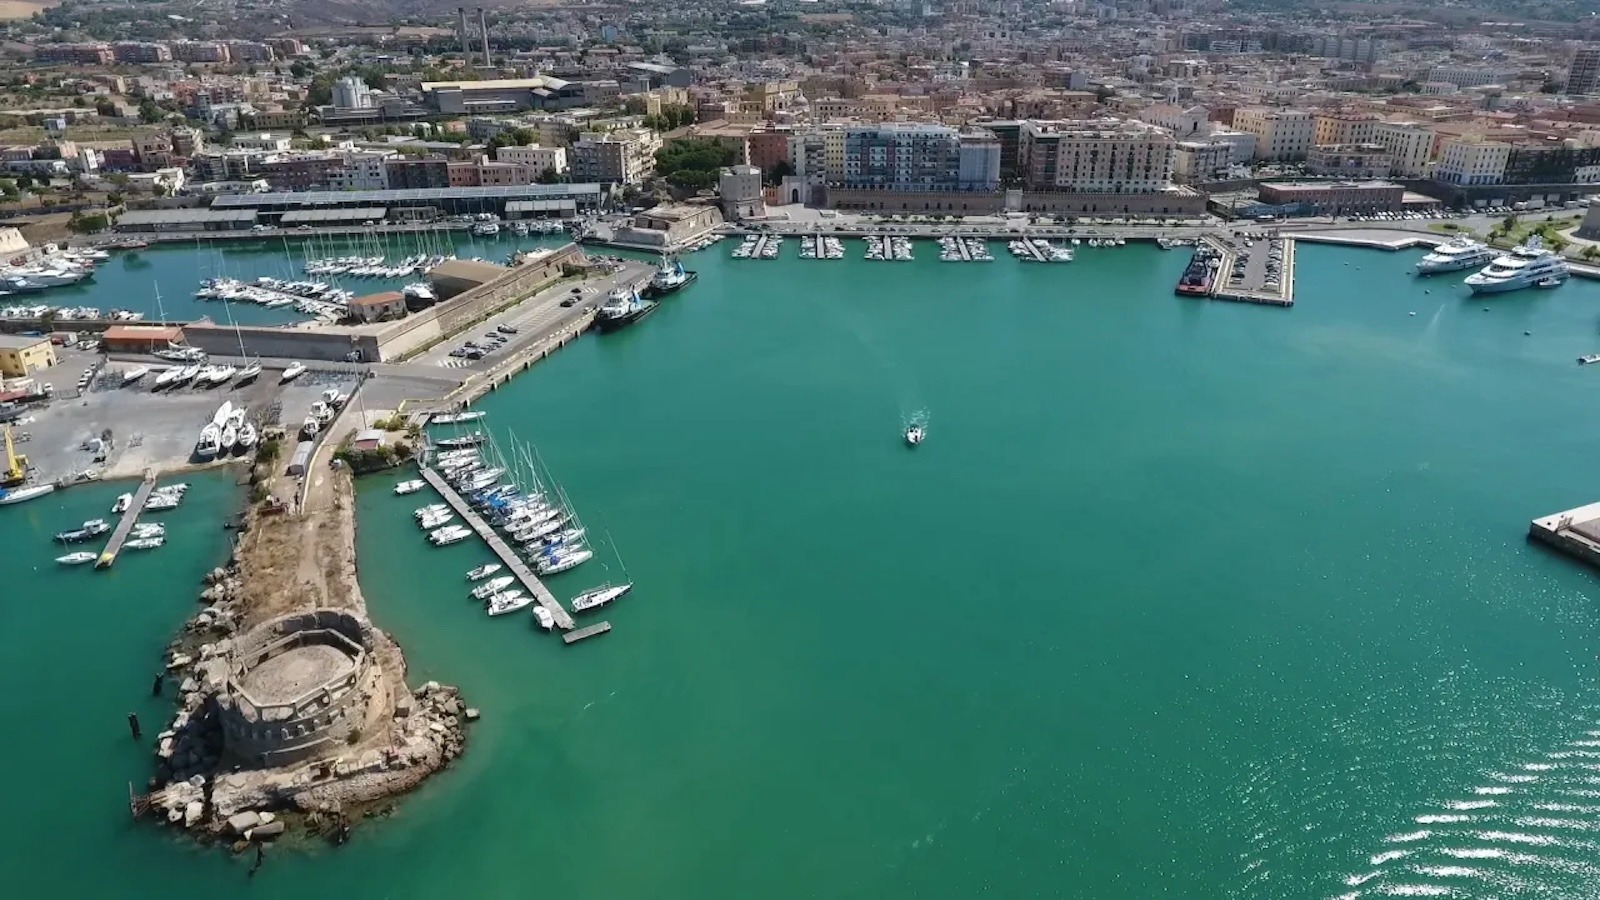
{"type": "Point", "coordinates": [300, 687]}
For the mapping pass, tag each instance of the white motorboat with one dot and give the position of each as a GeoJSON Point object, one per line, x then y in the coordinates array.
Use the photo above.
{"type": "Point", "coordinates": [508, 602]}
{"type": "Point", "coordinates": [294, 371]}
{"type": "Point", "coordinates": [87, 531]}
{"type": "Point", "coordinates": [557, 562]}
{"type": "Point", "coordinates": [915, 434]}
{"type": "Point", "coordinates": [247, 437]}
{"type": "Point", "coordinates": [228, 440]}
{"type": "Point", "coordinates": [421, 511]}
{"type": "Point", "coordinates": [77, 559]}
{"type": "Point", "coordinates": [449, 534]}
{"type": "Point", "coordinates": [453, 418]}
{"type": "Point", "coordinates": [419, 292]}
{"type": "Point", "coordinates": [147, 543]}
{"type": "Point", "coordinates": [1455, 254]}
{"type": "Point", "coordinates": [168, 377]}
{"type": "Point", "coordinates": [148, 529]}
{"type": "Point", "coordinates": [121, 506]}
{"type": "Point", "coordinates": [434, 520]}
{"type": "Point", "coordinates": [1523, 267]}
{"type": "Point", "coordinates": [492, 586]}
{"type": "Point", "coordinates": [134, 374]}
{"type": "Point", "coordinates": [161, 502]}
{"type": "Point", "coordinates": [544, 617]}
{"type": "Point", "coordinates": [595, 598]}
{"type": "Point", "coordinates": [409, 487]}
{"type": "Point", "coordinates": [464, 441]}
{"type": "Point", "coordinates": [19, 495]}
{"type": "Point", "coordinates": [310, 427]}
{"type": "Point", "coordinates": [210, 442]}
{"type": "Point", "coordinates": [484, 571]}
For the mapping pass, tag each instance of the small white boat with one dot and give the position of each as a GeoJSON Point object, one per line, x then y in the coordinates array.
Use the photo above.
{"type": "Point", "coordinates": [121, 506]}
{"type": "Point", "coordinates": [543, 616]}
{"type": "Point", "coordinates": [409, 487]}
{"type": "Point", "coordinates": [148, 529]}
{"type": "Point", "coordinates": [146, 543]}
{"type": "Point", "coordinates": [247, 436]}
{"type": "Point", "coordinates": [434, 520]}
{"type": "Point", "coordinates": [508, 602]}
{"type": "Point", "coordinates": [228, 440]}
{"type": "Point", "coordinates": [421, 511]}
{"type": "Point", "coordinates": [1588, 358]}
{"type": "Point", "coordinates": [169, 377]}
{"type": "Point", "coordinates": [77, 559]}
{"type": "Point", "coordinates": [915, 435]}
{"type": "Point", "coordinates": [450, 534]}
{"type": "Point", "coordinates": [310, 427]}
{"type": "Point", "coordinates": [492, 586]}
{"type": "Point", "coordinates": [249, 373]}
{"type": "Point", "coordinates": [134, 374]}
{"type": "Point", "coordinates": [294, 371]}
{"type": "Point", "coordinates": [159, 502]}
{"type": "Point", "coordinates": [452, 418]}
{"type": "Point", "coordinates": [600, 596]}
{"type": "Point", "coordinates": [484, 571]}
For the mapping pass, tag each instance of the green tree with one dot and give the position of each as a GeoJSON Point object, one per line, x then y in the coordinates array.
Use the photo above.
{"type": "Point", "coordinates": [149, 112]}
{"type": "Point", "coordinates": [114, 199]}
{"type": "Point", "coordinates": [88, 224]}
{"type": "Point", "coordinates": [105, 108]}
{"type": "Point", "coordinates": [8, 189]}
{"type": "Point", "coordinates": [549, 176]}
{"type": "Point", "coordinates": [24, 181]}
{"type": "Point", "coordinates": [301, 69]}
{"type": "Point", "coordinates": [779, 171]}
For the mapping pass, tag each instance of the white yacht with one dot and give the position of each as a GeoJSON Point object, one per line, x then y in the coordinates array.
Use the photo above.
{"type": "Point", "coordinates": [77, 559]}
{"type": "Point", "coordinates": [123, 502]}
{"type": "Point", "coordinates": [210, 442]}
{"type": "Point", "coordinates": [600, 596]}
{"type": "Point", "coordinates": [294, 371]}
{"type": "Point", "coordinates": [555, 562]}
{"type": "Point", "coordinates": [483, 571]}
{"type": "Point", "coordinates": [145, 543]}
{"type": "Point", "coordinates": [450, 534]}
{"type": "Point", "coordinates": [508, 602]}
{"type": "Point", "coordinates": [134, 374]}
{"type": "Point", "coordinates": [1454, 255]}
{"type": "Point", "coordinates": [1523, 267]}
{"type": "Point", "coordinates": [409, 487]}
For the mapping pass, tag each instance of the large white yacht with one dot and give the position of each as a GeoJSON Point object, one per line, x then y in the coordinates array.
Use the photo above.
{"type": "Point", "coordinates": [1524, 267]}
{"type": "Point", "coordinates": [1455, 254]}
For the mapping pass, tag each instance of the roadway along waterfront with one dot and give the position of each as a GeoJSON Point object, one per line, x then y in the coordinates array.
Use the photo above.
{"type": "Point", "coordinates": [1178, 599]}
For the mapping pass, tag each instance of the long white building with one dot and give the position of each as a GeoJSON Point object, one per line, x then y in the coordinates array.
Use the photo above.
{"type": "Point", "coordinates": [1111, 156]}
{"type": "Point", "coordinates": [1281, 134]}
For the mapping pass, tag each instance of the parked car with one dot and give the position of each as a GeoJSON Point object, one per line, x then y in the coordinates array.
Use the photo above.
{"type": "Point", "coordinates": [507, 329]}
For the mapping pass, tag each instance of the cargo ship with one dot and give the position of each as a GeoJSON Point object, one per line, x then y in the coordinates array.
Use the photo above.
{"type": "Point", "coordinates": [1199, 274]}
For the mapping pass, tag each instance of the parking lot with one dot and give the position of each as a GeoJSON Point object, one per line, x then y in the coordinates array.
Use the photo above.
{"type": "Point", "coordinates": [1258, 263]}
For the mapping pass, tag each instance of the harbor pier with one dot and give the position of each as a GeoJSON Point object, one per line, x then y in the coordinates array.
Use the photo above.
{"type": "Point", "coordinates": [1575, 532]}
{"type": "Point", "coordinates": [508, 557]}
{"type": "Point", "coordinates": [125, 526]}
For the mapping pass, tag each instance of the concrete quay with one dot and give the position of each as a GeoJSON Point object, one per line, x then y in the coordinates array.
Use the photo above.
{"type": "Point", "coordinates": [1252, 286]}
{"type": "Point", "coordinates": [1575, 532]}
{"type": "Point", "coordinates": [508, 557]}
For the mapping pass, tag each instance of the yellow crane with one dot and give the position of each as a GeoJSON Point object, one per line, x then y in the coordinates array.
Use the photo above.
{"type": "Point", "coordinates": [16, 464]}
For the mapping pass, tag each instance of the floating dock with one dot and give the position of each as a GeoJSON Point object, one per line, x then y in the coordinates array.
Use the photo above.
{"type": "Point", "coordinates": [1575, 532]}
{"type": "Point", "coordinates": [124, 527]}
{"type": "Point", "coordinates": [588, 631]}
{"type": "Point", "coordinates": [513, 563]}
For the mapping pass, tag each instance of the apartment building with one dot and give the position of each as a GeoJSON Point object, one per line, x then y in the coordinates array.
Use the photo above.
{"type": "Point", "coordinates": [361, 171]}
{"type": "Point", "coordinates": [1112, 156]}
{"type": "Point", "coordinates": [978, 163]}
{"type": "Point", "coordinates": [417, 173]}
{"type": "Point", "coordinates": [769, 146]}
{"type": "Point", "coordinates": [1583, 76]}
{"type": "Point", "coordinates": [1342, 128]}
{"type": "Point", "coordinates": [1471, 160]}
{"type": "Point", "coordinates": [140, 52]}
{"type": "Point", "coordinates": [538, 159]}
{"type": "Point", "coordinates": [1201, 160]}
{"type": "Point", "coordinates": [1185, 124]}
{"type": "Point", "coordinates": [1241, 144]}
{"type": "Point", "coordinates": [200, 51]}
{"type": "Point", "coordinates": [624, 156]}
{"type": "Point", "coordinates": [905, 156]}
{"type": "Point", "coordinates": [1410, 146]}
{"type": "Point", "coordinates": [74, 54]}
{"type": "Point", "coordinates": [1468, 76]}
{"type": "Point", "coordinates": [1281, 134]}
{"type": "Point", "coordinates": [1350, 161]}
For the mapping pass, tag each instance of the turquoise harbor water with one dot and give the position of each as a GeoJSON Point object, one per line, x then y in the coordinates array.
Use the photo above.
{"type": "Point", "coordinates": [1179, 599]}
{"type": "Point", "coordinates": [132, 280]}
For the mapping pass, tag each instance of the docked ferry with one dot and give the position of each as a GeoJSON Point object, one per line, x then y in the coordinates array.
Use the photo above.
{"type": "Point", "coordinates": [622, 308]}
{"type": "Point", "coordinates": [670, 276]}
{"type": "Point", "coordinates": [1454, 255]}
{"type": "Point", "coordinates": [1199, 274]}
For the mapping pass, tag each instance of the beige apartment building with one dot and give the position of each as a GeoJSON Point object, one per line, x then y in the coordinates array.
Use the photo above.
{"type": "Point", "coordinates": [1343, 128]}
{"type": "Point", "coordinates": [1281, 134]}
{"type": "Point", "coordinates": [1410, 146]}
{"type": "Point", "coordinates": [1099, 156]}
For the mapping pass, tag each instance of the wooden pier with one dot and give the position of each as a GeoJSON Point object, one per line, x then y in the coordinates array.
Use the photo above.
{"type": "Point", "coordinates": [129, 516]}
{"type": "Point", "coordinates": [588, 631]}
{"type": "Point", "coordinates": [513, 563]}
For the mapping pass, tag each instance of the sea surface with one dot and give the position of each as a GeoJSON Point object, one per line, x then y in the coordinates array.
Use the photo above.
{"type": "Point", "coordinates": [1179, 599]}
{"type": "Point", "coordinates": [133, 280]}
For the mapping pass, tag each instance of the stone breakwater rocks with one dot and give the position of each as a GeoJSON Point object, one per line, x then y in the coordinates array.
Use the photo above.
{"type": "Point", "coordinates": [196, 786]}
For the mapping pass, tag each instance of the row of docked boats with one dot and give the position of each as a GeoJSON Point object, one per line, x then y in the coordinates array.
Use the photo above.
{"type": "Point", "coordinates": [889, 247]}
{"type": "Point", "coordinates": [814, 246]}
{"type": "Point", "coordinates": [538, 521]}
{"type": "Point", "coordinates": [142, 536]}
{"type": "Point", "coordinates": [1528, 265]}
{"type": "Point", "coordinates": [626, 304]}
{"type": "Point", "coordinates": [1039, 250]}
{"type": "Point", "coordinates": [374, 266]}
{"type": "Point", "coordinates": [194, 374]}
{"type": "Point", "coordinates": [69, 313]}
{"type": "Point", "coordinates": [58, 267]}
